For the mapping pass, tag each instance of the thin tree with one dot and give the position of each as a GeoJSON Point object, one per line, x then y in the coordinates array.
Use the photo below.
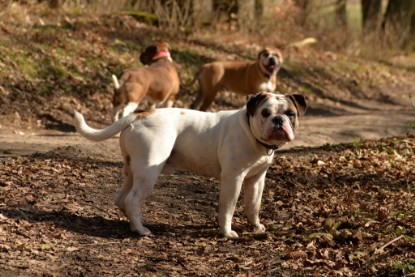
{"type": "Point", "coordinates": [371, 15]}
{"type": "Point", "coordinates": [396, 25]}
{"type": "Point", "coordinates": [341, 16]}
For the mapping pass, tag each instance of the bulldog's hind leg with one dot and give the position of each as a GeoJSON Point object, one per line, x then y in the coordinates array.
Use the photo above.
{"type": "Point", "coordinates": [147, 162]}
{"type": "Point", "coordinates": [128, 183]}
{"type": "Point", "coordinates": [144, 179]}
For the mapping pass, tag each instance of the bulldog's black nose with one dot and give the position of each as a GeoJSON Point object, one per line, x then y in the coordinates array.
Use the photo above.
{"type": "Point", "coordinates": [278, 121]}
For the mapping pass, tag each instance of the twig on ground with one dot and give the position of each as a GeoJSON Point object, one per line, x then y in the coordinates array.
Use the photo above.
{"type": "Point", "coordinates": [409, 274]}
{"type": "Point", "coordinates": [412, 98]}
{"type": "Point", "coordinates": [377, 251]}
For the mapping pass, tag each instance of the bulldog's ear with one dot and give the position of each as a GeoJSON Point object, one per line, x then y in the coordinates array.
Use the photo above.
{"type": "Point", "coordinates": [253, 101]}
{"type": "Point", "coordinates": [147, 56]}
{"type": "Point", "coordinates": [299, 102]}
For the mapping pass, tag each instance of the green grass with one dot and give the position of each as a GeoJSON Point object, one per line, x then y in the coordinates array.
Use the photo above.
{"type": "Point", "coordinates": [357, 144]}
{"type": "Point", "coordinates": [408, 265]}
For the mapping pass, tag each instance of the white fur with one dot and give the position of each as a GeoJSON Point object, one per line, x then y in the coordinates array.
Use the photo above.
{"type": "Point", "coordinates": [221, 145]}
{"type": "Point", "coordinates": [124, 111]}
{"type": "Point", "coordinates": [115, 80]}
{"type": "Point", "coordinates": [267, 86]}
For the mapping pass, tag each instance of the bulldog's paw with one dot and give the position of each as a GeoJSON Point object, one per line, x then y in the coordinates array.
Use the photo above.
{"type": "Point", "coordinates": [141, 231]}
{"type": "Point", "coordinates": [230, 234]}
{"type": "Point", "coordinates": [143, 220]}
{"type": "Point", "coordinates": [145, 232]}
{"type": "Point", "coordinates": [259, 228]}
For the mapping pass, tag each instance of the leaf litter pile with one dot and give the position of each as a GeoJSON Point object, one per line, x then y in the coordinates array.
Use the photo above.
{"type": "Point", "coordinates": [336, 210]}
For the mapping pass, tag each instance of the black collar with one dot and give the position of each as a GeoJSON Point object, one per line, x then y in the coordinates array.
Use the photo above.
{"type": "Point", "coordinates": [267, 146]}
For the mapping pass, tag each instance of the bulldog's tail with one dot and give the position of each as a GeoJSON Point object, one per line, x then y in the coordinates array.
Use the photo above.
{"type": "Point", "coordinates": [101, 134]}
{"type": "Point", "coordinates": [115, 80]}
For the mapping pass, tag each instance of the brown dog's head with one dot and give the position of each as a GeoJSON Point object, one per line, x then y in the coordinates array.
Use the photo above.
{"type": "Point", "coordinates": [270, 61]}
{"type": "Point", "coordinates": [154, 52]}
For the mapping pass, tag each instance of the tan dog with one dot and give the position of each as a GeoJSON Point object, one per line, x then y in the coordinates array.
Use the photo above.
{"type": "Point", "coordinates": [159, 82]}
{"type": "Point", "coordinates": [237, 76]}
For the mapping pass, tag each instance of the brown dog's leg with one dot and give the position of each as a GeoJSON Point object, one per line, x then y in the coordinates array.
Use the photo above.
{"type": "Point", "coordinates": [207, 100]}
{"type": "Point", "coordinates": [196, 103]}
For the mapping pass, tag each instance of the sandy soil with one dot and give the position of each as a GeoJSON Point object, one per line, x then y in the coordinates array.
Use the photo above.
{"type": "Point", "coordinates": [315, 130]}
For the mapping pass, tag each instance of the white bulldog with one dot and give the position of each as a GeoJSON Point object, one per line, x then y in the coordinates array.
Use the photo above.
{"type": "Point", "coordinates": [235, 146]}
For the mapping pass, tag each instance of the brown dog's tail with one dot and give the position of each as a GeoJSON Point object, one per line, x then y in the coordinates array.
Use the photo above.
{"type": "Point", "coordinates": [115, 80]}
{"type": "Point", "coordinates": [193, 81]}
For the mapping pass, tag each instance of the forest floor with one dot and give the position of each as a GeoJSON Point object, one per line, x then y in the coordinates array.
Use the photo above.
{"type": "Point", "coordinates": [339, 201]}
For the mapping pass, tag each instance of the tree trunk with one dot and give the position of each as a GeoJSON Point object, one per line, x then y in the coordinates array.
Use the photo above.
{"type": "Point", "coordinates": [396, 25]}
{"type": "Point", "coordinates": [259, 8]}
{"type": "Point", "coordinates": [305, 7]}
{"type": "Point", "coordinates": [225, 13]}
{"type": "Point", "coordinates": [371, 15]}
{"type": "Point", "coordinates": [224, 9]}
{"type": "Point", "coordinates": [202, 11]}
{"type": "Point", "coordinates": [54, 4]}
{"type": "Point", "coordinates": [411, 40]}
{"type": "Point", "coordinates": [341, 16]}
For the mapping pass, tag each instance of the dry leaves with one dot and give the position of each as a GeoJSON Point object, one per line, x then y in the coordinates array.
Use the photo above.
{"type": "Point", "coordinates": [341, 210]}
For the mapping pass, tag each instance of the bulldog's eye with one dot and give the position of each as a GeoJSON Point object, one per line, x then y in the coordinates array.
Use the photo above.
{"type": "Point", "coordinates": [290, 113]}
{"type": "Point", "coordinates": [266, 112]}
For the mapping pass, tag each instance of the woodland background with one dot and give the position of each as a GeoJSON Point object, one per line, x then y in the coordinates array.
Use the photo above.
{"type": "Point", "coordinates": [339, 200]}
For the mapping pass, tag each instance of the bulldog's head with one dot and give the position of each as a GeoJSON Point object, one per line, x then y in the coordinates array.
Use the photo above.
{"type": "Point", "coordinates": [270, 61]}
{"type": "Point", "coordinates": [154, 52]}
{"type": "Point", "coordinates": [274, 117]}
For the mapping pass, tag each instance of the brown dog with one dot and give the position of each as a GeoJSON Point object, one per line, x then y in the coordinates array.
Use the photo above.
{"type": "Point", "coordinates": [159, 82]}
{"type": "Point", "coordinates": [237, 76]}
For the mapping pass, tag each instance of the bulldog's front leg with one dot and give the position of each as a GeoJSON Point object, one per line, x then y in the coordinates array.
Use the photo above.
{"type": "Point", "coordinates": [230, 188]}
{"type": "Point", "coordinates": [253, 189]}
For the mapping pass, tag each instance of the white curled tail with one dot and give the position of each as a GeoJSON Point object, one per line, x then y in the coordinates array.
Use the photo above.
{"type": "Point", "coordinates": [101, 134]}
{"type": "Point", "coordinates": [115, 80]}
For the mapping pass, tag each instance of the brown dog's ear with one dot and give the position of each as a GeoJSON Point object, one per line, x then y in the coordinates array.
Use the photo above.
{"type": "Point", "coordinates": [263, 51]}
{"type": "Point", "coordinates": [253, 101]}
{"type": "Point", "coordinates": [299, 102]}
{"type": "Point", "coordinates": [163, 47]}
{"type": "Point", "coordinates": [147, 56]}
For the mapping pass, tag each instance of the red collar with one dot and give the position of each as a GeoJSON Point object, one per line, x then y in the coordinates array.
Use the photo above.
{"type": "Point", "coordinates": [162, 54]}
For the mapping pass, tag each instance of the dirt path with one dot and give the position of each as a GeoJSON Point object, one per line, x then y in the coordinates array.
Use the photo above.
{"type": "Point", "coordinates": [328, 211]}
{"type": "Point", "coordinates": [314, 131]}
